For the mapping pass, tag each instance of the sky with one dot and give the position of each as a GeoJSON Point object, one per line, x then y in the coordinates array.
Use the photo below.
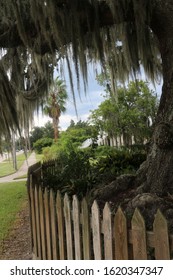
{"type": "Point", "coordinates": [85, 102]}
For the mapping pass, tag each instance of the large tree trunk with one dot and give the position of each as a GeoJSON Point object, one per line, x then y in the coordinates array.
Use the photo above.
{"type": "Point", "coordinates": [160, 158]}
{"type": "Point", "coordinates": [159, 164]}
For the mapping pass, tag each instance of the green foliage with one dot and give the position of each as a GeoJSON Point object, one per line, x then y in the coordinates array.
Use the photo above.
{"type": "Point", "coordinates": [45, 131]}
{"type": "Point", "coordinates": [73, 173]}
{"type": "Point", "coordinates": [48, 130]}
{"type": "Point", "coordinates": [73, 137]}
{"type": "Point", "coordinates": [42, 143]}
{"type": "Point", "coordinates": [78, 171]}
{"type": "Point", "coordinates": [131, 115]}
{"type": "Point", "coordinates": [113, 161]}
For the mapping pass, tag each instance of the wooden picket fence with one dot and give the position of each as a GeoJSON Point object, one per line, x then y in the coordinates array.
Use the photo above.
{"type": "Point", "coordinates": [66, 228]}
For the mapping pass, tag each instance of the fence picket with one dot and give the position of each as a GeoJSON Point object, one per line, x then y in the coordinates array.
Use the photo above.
{"type": "Point", "coordinates": [47, 219]}
{"type": "Point", "coordinates": [161, 239]}
{"type": "Point", "coordinates": [120, 230]}
{"type": "Point", "coordinates": [139, 236]}
{"type": "Point", "coordinates": [33, 223]}
{"type": "Point", "coordinates": [54, 235]}
{"type": "Point", "coordinates": [42, 225]}
{"type": "Point", "coordinates": [53, 226]}
{"type": "Point", "coordinates": [38, 223]}
{"type": "Point", "coordinates": [85, 218]}
{"type": "Point", "coordinates": [60, 224]}
{"type": "Point", "coordinates": [76, 223]}
{"type": "Point", "coordinates": [68, 226]}
{"type": "Point", "coordinates": [96, 231]}
{"type": "Point", "coordinates": [107, 231]}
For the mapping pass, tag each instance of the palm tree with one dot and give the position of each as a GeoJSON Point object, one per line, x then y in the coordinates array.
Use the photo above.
{"type": "Point", "coordinates": [56, 103]}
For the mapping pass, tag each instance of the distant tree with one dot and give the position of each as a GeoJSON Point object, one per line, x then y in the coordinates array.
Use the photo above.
{"type": "Point", "coordinates": [131, 115]}
{"type": "Point", "coordinates": [42, 143]}
{"type": "Point", "coordinates": [72, 138]}
{"type": "Point", "coordinates": [36, 134]}
{"type": "Point", "coordinates": [48, 130]}
{"type": "Point", "coordinates": [56, 103]}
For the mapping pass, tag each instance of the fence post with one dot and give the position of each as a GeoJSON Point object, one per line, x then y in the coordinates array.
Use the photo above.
{"type": "Point", "coordinates": [60, 222]}
{"type": "Point", "coordinates": [76, 228]}
{"type": "Point", "coordinates": [139, 237]}
{"type": "Point", "coordinates": [160, 229]}
{"type": "Point", "coordinates": [53, 226]}
{"type": "Point", "coordinates": [33, 219]}
{"type": "Point", "coordinates": [120, 230]}
{"type": "Point", "coordinates": [85, 217]}
{"type": "Point", "coordinates": [96, 231]}
{"type": "Point", "coordinates": [47, 219]}
{"type": "Point", "coordinates": [68, 226]}
{"type": "Point", "coordinates": [107, 231]}
{"type": "Point", "coordinates": [37, 206]}
{"type": "Point", "coordinates": [42, 224]}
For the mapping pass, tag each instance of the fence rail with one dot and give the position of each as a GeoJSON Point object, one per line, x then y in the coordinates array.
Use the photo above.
{"type": "Point", "coordinates": [66, 228]}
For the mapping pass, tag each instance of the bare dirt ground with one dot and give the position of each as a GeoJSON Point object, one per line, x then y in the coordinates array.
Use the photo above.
{"type": "Point", "coordinates": [17, 246]}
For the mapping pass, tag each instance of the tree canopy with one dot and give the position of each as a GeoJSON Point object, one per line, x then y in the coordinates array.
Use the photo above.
{"type": "Point", "coordinates": [36, 36]}
{"type": "Point", "coordinates": [131, 116]}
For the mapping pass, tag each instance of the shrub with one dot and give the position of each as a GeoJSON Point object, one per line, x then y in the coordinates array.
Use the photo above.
{"type": "Point", "coordinates": [78, 171]}
{"type": "Point", "coordinates": [42, 143]}
{"type": "Point", "coordinates": [73, 173]}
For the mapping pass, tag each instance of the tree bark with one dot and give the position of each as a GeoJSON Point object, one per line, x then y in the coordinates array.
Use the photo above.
{"type": "Point", "coordinates": [55, 127]}
{"type": "Point", "coordinates": [159, 177]}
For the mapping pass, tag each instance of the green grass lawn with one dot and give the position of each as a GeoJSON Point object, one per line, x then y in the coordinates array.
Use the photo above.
{"type": "Point", "coordinates": [6, 167]}
{"type": "Point", "coordinates": [12, 198]}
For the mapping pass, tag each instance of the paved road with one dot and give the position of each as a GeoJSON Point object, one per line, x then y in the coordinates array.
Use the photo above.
{"type": "Point", "coordinates": [22, 171]}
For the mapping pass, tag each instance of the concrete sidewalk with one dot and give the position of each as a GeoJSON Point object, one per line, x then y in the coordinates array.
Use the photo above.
{"type": "Point", "coordinates": [22, 171]}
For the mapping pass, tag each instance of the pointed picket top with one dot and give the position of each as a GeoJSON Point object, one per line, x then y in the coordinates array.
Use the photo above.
{"type": "Point", "coordinates": [75, 202]}
{"type": "Point", "coordinates": [160, 219]}
{"type": "Point", "coordinates": [120, 230]}
{"type": "Point", "coordinates": [58, 199]}
{"type": "Point", "coordinates": [95, 205]}
{"type": "Point", "coordinates": [76, 226]}
{"type": "Point", "coordinates": [106, 210]}
{"type": "Point", "coordinates": [107, 231]}
{"type": "Point", "coordinates": [96, 230]}
{"type": "Point", "coordinates": [66, 202]}
{"type": "Point", "coordinates": [119, 215]}
{"type": "Point", "coordinates": [139, 236]}
{"type": "Point", "coordinates": [160, 229]}
{"type": "Point", "coordinates": [137, 219]}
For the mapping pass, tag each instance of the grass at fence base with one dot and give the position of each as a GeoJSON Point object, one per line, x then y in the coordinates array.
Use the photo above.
{"type": "Point", "coordinates": [12, 197]}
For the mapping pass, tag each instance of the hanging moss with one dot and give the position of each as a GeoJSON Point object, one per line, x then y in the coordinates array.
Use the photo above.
{"type": "Point", "coordinates": [48, 32]}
